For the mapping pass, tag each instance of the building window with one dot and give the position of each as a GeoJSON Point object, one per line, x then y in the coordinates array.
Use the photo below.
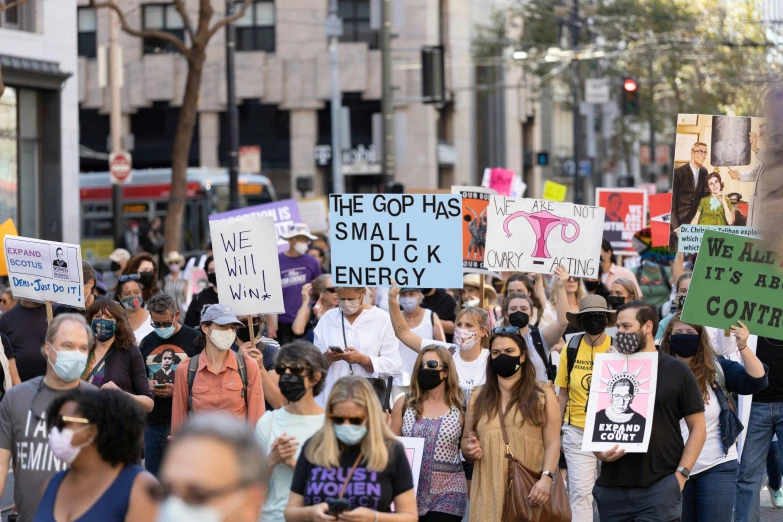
{"type": "Point", "coordinates": [88, 24]}
{"type": "Point", "coordinates": [356, 22]}
{"type": "Point", "coordinates": [20, 17]}
{"type": "Point", "coordinates": [256, 30]}
{"type": "Point", "coordinates": [162, 18]}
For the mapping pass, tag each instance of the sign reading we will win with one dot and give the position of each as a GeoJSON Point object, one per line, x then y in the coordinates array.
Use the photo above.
{"type": "Point", "coordinates": [535, 235]}
{"type": "Point", "coordinates": [246, 265]}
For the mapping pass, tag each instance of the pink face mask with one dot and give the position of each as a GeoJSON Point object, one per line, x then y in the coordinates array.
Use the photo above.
{"type": "Point", "coordinates": [464, 338]}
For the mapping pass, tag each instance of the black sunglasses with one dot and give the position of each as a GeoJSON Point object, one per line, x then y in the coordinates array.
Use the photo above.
{"type": "Point", "coordinates": [256, 321]}
{"type": "Point", "coordinates": [294, 370]}
{"type": "Point", "coordinates": [433, 365]}
{"type": "Point", "coordinates": [356, 421]}
{"type": "Point", "coordinates": [505, 329]}
{"type": "Point", "coordinates": [167, 324]}
{"type": "Point", "coordinates": [331, 290]}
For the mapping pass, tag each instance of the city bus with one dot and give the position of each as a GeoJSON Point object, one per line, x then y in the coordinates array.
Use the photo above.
{"type": "Point", "coordinates": [146, 197]}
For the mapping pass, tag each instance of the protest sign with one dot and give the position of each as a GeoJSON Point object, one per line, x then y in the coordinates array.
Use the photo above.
{"type": "Point", "coordinates": [314, 214]}
{"type": "Point", "coordinates": [284, 213]}
{"type": "Point", "coordinates": [626, 213]}
{"type": "Point", "coordinates": [550, 234]}
{"type": "Point", "coordinates": [621, 403]}
{"type": "Point", "coordinates": [413, 239]}
{"type": "Point", "coordinates": [44, 270]}
{"type": "Point", "coordinates": [642, 243]}
{"type": "Point", "coordinates": [504, 182]}
{"type": "Point", "coordinates": [554, 191]}
{"type": "Point", "coordinates": [691, 235]}
{"type": "Point", "coordinates": [475, 201]}
{"type": "Point", "coordinates": [660, 218]}
{"type": "Point", "coordinates": [6, 229]}
{"type": "Point", "coordinates": [414, 450]}
{"type": "Point", "coordinates": [736, 279]}
{"type": "Point", "coordinates": [717, 161]}
{"type": "Point", "coordinates": [247, 268]}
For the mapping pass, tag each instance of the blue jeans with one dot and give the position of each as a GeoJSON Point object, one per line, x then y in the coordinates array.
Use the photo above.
{"type": "Point", "coordinates": [709, 496]}
{"type": "Point", "coordinates": [766, 419]}
{"type": "Point", "coordinates": [774, 467]}
{"type": "Point", "coordinates": [156, 436]}
{"type": "Point", "coordinates": [661, 502]}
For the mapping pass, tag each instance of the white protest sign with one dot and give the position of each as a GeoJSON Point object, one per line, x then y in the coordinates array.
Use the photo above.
{"type": "Point", "coordinates": [414, 450]}
{"type": "Point", "coordinates": [621, 403]}
{"type": "Point", "coordinates": [536, 235]}
{"type": "Point", "coordinates": [246, 264]}
{"type": "Point", "coordinates": [44, 270]}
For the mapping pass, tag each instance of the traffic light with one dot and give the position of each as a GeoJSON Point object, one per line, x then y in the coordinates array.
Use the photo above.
{"type": "Point", "coordinates": [630, 97]}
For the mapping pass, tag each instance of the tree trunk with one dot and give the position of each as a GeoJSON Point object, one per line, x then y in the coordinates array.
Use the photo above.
{"type": "Point", "coordinates": [181, 151]}
{"type": "Point", "coordinates": [2, 85]}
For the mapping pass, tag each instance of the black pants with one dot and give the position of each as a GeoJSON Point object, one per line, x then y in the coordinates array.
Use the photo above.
{"type": "Point", "coordinates": [285, 334]}
{"type": "Point", "coordinates": [434, 516]}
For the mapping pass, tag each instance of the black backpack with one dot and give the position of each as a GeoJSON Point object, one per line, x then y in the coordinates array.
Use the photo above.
{"type": "Point", "coordinates": [193, 367]}
{"type": "Point", "coordinates": [538, 344]}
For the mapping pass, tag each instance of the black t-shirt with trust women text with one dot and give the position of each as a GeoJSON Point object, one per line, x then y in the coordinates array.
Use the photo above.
{"type": "Point", "coordinates": [371, 489]}
{"type": "Point", "coordinates": [676, 397]}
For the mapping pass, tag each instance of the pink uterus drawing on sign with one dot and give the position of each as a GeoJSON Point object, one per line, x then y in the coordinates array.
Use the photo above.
{"type": "Point", "coordinates": [543, 222]}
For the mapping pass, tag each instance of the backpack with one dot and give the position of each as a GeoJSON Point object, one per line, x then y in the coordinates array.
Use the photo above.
{"type": "Point", "coordinates": [571, 352]}
{"type": "Point", "coordinates": [193, 367]}
{"type": "Point", "coordinates": [538, 343]}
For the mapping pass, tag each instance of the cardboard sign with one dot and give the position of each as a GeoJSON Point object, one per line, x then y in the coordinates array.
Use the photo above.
{"type": "Point", "coordinates": [284, 213]}
{"type": "Point", "coordinates": [314, 214]}
{"type": "Point", "coordinates": [247, 268]}
{"type": "Point", "coordinates": [414, 449]}
{"type": "Point", "coordinates": [413, 239]}
{"type": "Point", "coordinates": [691, 235]}
{"type": "Point", "coordinates": [626, 214]}
{"type": "Point", "coordinates": [718, 160]}
{"type": "Point", "coordinates": [533, 235]}
{"type": "Point", "coordinates": [554, 191]}
{"type": "Point", "coordinates": [660, 218]}
{"type": "Point", "coordinates": [44, 270]}
{"type": "Point", "coordinates": [475, 201]}
{"type": "Point", "coordinates": [6, 229]}
{"type": "Point", "coordinates": [736, 279]}
{"type": "Point", "coordinates": [621, 403]}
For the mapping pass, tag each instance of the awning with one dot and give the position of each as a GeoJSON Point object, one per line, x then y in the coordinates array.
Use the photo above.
{"type": "Point", "coordinates": [36, 74]}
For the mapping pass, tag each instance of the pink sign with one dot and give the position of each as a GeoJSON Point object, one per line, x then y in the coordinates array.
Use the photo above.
{"type": "Point", "coordinates": [500, 181]}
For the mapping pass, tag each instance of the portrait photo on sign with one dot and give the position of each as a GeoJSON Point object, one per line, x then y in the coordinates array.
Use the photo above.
{"type": "Point", "coordinates": [626, 213]}
{"type": "Point", "coordinates": [64, 257]}
{"type": "Point", "coordinates": [717, 162]}
{"type": "Point", "coordinates": [622, 401]}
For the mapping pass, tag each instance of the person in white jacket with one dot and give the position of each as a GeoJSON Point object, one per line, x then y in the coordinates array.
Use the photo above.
{"type": "Point", "coordinates": [357, 339]}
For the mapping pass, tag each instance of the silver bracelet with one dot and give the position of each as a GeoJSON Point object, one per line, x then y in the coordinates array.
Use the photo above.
{"type": "Point", "coordinates": [376, 516]}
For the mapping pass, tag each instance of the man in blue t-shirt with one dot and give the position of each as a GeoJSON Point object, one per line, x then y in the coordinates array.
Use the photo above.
{"type": "Point", "coordinates": [296, 270]}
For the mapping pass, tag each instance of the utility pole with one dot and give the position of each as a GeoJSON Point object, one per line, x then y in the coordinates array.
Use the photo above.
{"type": "Point", "coordinates": [334, 30]}
{"type": "Point", "coordinates": [115, 118]}
{"type": "Point", "coordinates": [652, 124]}
{"type": "Point", "coordinates": [387, 109]}
{"type": "Point", "coordinates": [575, 23]}
{"type": "Point", "coordinates": [233, 112]}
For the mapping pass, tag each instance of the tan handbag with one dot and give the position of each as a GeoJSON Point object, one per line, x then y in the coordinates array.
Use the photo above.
{"type": "Point", "coordinates": [517, 507]}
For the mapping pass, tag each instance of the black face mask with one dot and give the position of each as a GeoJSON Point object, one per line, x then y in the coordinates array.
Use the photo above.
{"type": "Point", "coordinates": [243, 334]}
{"type": "Point", "coordinates": [212, 278]}
{"type": "Point", "coordinates": [506, 365]}
{"type": "Point", "coordinates": [146, 278]}
{"type": "Point", "coordinates": [685, 345]}
{"type": "Point", "coordinates": [429, 379]}
{"type": "Point", "coordinates": [615, 301]}
{"type": "Point", "coordinates": [115, 266]}
{"type": "Point", "coordinates": [292, 387]}
{"type": "Point", "coordinates": [593, 324]}
{"type": "Point", "coordinates": [518, 319]}
{"type": "Point", "coordinates": [591, 285]}
{"type": "Point", "coordinates": [426, 291]}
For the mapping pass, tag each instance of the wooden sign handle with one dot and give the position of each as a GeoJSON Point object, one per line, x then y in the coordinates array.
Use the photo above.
{"type": "Point", "coordinates": [49, 311]}
{"type": "Point", "coordinates": [252, 331]}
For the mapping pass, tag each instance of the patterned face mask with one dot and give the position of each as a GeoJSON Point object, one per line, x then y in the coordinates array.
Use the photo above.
{"type": "Point", "coordinates": [629, 343]}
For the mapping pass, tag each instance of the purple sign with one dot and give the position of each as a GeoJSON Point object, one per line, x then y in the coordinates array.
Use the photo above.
{"type": "Point", "coordinates": [285, 213]}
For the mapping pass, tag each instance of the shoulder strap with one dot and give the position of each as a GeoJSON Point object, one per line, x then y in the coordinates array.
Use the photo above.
{"type": "Point", "coordinates": [350, 474]}
{"type": "Point", "coordinates": [538, 343]}
{"type": "Point", "coordinates": [98, 365]}
{"type": "Point", "coordinates": [192, 368]}
{"type": "Point", "coordinates": [571, 351]}
{"type": "Point", "coordinates": [503, 429]}
{"type": "Point", "coordinates": [243, 374]}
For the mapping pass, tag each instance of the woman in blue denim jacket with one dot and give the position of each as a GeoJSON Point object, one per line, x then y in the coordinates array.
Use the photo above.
{"type": "Point", "coordinates": [709, 493]}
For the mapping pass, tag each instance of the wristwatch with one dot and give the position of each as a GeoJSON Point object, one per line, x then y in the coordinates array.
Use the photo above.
{"type": "Point", "coordinates": [685, 472]}
{"type": "Point", "coordinates": [548, 474]}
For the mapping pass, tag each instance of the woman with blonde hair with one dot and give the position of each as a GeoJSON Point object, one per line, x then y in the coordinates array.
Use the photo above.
{"type": "Point", "coordinates": [433, 411]}
{"type": "Point", "coordinates": [353, 466]}
{"type": "Point", "coordinates": [622, 291]}
{"type": "Point", "coordinates": [575, 290]}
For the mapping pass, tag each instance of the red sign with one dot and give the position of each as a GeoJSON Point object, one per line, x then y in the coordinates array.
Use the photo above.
{"type": "Point", "coordinates": [626, 213]}
{"type": "Point", "coordinates": [120, 167]}
{"type": "Point", "coordinates": [660, 218]}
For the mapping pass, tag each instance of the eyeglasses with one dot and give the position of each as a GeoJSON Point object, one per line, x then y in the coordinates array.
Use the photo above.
{"type": "Point", "coordinates": [129, 277]}
{"type": "Point", "coordinates": [194, 496]}
{"type": "Point", "coordinates": [61, 420]}
{"type": "Point", "coordinates": [700, 152]}
{"type": "Point", "coordinates": [433, 365]}
{"type": "Point", "coordinates": [256, 321]}
{"type": "Point", "coordinates": [505, 329]}
{"type": "Point", "coordinates": [294, 370]}
{"type": "Point", "coordinates": [356, 421]}
{"type": "Point", "coordinates": [331, 290]}
{"type": "Point", "coordinates": [622, 397]}
{"type": "Point", "coordinates": [167, 324]}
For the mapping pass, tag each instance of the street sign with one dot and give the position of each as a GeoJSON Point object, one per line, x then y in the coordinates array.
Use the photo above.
{"type": "Point", "coordinates": [597, 90]}
{"type": "Point", "coordinates": [120, 167]}
{"type": "Point", "coordinates": [569, 168]}
{"type": "Point", "coordinates": [250, 159]}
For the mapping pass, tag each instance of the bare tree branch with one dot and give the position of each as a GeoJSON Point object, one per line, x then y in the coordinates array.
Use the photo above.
{"type": "Point", "coordinates": [183, 12]}
{"type": "Point", "coordinates": [142, 33]}
{"type": "Point", "coordinates": [12, 5]}
{"type": "Point", "coordinates": [229, 20]}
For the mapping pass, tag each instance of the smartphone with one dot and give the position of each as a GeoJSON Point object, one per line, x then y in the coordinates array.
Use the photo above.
{"type": "Point", "coordinates": [337, 505]}
{"type": "Point", "coordinates": [158, 385]}
{"type": "Point", "coordinates": [336, 349]}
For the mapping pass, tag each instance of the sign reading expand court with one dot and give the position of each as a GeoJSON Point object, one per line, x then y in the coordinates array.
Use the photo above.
{"type": "Point", "coordinates": [413, 239]}
{"type": "Point", "coordinates": [736, 279]}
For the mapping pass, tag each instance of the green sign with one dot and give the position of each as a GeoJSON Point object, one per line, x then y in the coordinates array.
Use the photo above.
{"type": "Point", "coordinates": [736, 279]}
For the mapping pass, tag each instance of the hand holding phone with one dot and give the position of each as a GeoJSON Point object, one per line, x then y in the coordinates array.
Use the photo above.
{"type": "Point", "coordinates": [337, 506]}
{"type": "Point", "coordinates": [336, 349]}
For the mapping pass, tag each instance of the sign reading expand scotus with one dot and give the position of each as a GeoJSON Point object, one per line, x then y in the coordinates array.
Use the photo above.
{"type": "Point", "coordinates": [736, 279]}
{"type": "Point", "coordinates": [44, 270]}
{"type": "Point", "coordinates": [413, 239]}
{"type": "Point", "coordinates": [285, 213]}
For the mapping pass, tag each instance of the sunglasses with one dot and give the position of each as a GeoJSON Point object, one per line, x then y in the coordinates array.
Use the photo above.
{"type": "Point", "coordinates": [572, 279]}
{"type": "Point", "coordinates": [505, 329]}
{"type": "Point", "coordinates": [356, 421]}
{"type": "Point", "coordinates": [331, 290]}
{"type": "Point", "coordinates": [432, 365]}
{"type": "Point", "coordinates": [129, 277]}
{"type": "Point", "coordinates": [294, 370]}
{"type": "Point", "coordinates": [61, 420]}
{"type": "Point", "coordinates": [167, 324]}
{"type": "Point", "coordinates": [256, 321]}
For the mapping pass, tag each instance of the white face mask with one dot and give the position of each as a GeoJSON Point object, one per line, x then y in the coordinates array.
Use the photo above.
{"type": "Point", "coordinates": [472, 302]}
{"type": "Point", "coordinates": [465, 339]}
{"type": "Point", "coordinates": [409, 304]}
{"type": "Point", "coordinates": [350, 306]}
{"type": "Point", "coordinates": [223, 339]}
{"type": "Point", "coordinates": [174, 509]}
{"type": "Point", "coordinates": [301, 248]}
{"type": "Point", "coordinates": [60, 443]}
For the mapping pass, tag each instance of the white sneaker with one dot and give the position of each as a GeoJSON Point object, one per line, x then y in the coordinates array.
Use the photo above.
{"type": "Point", "coordinates": [775, 496]}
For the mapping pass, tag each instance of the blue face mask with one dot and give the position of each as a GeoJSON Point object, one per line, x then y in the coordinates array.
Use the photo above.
{"type": "Point", "coordinates": [70, 364]}
{"type": "Point", "coordinates": [132, 303]}
{"type": "Point", "coordinates": [349, 434]}
{"type": "Point", "coordinates": [103, 329]}
{"type": "Point", "coordinates": [165, 333]}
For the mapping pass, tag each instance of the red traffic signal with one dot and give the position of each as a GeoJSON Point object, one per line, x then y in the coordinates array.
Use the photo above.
{"type": "Point", "coordinates": [630, 85]}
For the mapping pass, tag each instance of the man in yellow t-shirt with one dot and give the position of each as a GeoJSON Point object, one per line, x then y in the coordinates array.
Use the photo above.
{"type": "Point", "coordinates": [594, 317]}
